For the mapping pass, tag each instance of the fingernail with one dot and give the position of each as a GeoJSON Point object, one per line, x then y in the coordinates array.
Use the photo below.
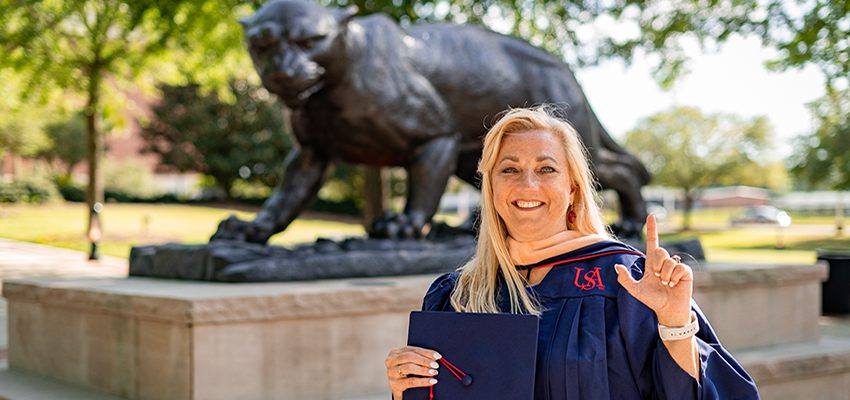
{"type": "Point", "coordinates": [664, 283]}
{"type": "Point", "coordinates": [657, 274]}
{"type": "Point", "coordinates": [672, 284]}
{"type": "Point", "coordinates": [433, 371]}
{"type": "Point", "coordinates": [437, 356]}
{"type": "Point", "coordinates": [433, 382]}
{"type": "Point", "coordinates": [434, 364]}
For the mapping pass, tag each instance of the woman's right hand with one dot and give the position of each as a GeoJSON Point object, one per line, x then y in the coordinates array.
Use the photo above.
{"type": "Point", "coordinates": [410, 367]}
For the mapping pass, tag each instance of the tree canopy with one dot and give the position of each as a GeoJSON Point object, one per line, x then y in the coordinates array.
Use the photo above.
{"type": "Point", "coordinates": [586, 31]}
{"type": "Point", "coordinates": [685, 149]}
{"type": "Point", "coordinates": [822, 158]}
{"type": "Point", "coordinates": [67, 142]}
{"type": "Point", "coordinates": [20, 121]}
{"type": "Point", "coordinates": [245, 140]}
{"type": "Point", "coordinates": [19, 135]}
{"type": "Point", "coordinates": [96, 50]}
{"type": "Point", "coordinates": [72, 45]}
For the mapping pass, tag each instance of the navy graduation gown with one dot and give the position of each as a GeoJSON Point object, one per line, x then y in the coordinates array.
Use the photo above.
{"type": "Point", "coordinates": [597, 342]}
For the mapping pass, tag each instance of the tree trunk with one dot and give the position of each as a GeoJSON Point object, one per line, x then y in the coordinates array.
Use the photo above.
{"type": "Point", "coordinates": [94, 139]}
{"type": "Point", "coordinates": [17, 167]}
{"type": "Point", "coordinates": [689, 203]}
{"type": "Point", "coordinates": [70, 172]}
{"type": "Point", "coordinates": [2, 170]}
{"type": "Point", "coordinates": [375, 193]}
{"type": "Point", "coordinates": [839, 215]}
{"type": "Point", "coordinates": [227, 186]}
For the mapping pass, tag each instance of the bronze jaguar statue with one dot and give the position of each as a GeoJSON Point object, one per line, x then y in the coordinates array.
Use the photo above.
{"type": "Point", "coordinates": [364, 90]}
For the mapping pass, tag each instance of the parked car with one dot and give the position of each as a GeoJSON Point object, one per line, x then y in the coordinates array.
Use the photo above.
{"type": "Point", "coordinates": [762, 215]}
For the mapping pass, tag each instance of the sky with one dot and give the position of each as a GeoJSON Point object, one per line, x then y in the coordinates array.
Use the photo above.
{"type": "Point", "coordinates": [732, 80]}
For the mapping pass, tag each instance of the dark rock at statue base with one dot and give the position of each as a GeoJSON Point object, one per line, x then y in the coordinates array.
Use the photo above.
{"type": "Point", "coordinates": [235, 261]}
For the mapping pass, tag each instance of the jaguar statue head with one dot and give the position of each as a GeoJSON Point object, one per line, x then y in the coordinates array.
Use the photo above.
{"type": "Point", "coordinates": [289, 41]}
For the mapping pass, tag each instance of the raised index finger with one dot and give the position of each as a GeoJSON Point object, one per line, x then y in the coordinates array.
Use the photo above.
{"type": "Point", "coordinates": [651, 234]}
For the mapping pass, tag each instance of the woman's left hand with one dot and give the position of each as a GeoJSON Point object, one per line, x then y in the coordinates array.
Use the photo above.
{"type": "Point", "coordinates": [667, 284]}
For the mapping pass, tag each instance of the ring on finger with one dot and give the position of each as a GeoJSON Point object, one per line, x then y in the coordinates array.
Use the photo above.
{"type": "Point", "coordinates": [399, 371]}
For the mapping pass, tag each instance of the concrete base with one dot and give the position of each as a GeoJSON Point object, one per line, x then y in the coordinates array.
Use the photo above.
{"type": "Point", "coordinates": [776, 304]}
{"type": "Point", "coordinates": [814, 370]}
{"type": "Point", "coordinates": [16, 385]}
{"type": "Point", "coordinates": [810, 370]}
{"type": "Point", "coordinates": [4, 342]}
{"type": "Point", "coordinates": [144, 338]}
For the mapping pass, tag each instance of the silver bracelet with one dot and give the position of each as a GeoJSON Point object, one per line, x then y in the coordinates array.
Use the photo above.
{"type": "Point", "coordinates": [671, 333]}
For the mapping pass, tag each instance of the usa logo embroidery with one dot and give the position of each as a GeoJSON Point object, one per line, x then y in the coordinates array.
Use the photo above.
{"type": "Point", "coordinates": [591, 279]}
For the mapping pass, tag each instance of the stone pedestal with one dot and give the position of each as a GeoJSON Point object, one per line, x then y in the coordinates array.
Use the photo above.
{"type": "Point", "coordinates": [768, 317]}
{"type": "Point", "coordinates": [756, 305]}
{"type": "Point", "coordinates": [144, 338]}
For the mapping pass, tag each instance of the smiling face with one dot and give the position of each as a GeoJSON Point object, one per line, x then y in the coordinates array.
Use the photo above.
{"type": "Point", "coordinates": [532, 189]}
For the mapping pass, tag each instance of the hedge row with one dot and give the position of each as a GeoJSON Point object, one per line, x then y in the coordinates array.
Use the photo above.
{"type": "Point", "coordinates": [30, 190]}
{"type": "Point", "coordinates": [76, 194]}
{"type": "Point", "coordinates": [37, 191]}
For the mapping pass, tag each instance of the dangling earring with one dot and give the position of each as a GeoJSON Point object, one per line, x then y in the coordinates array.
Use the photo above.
{"type": "Point", "coordinates": [571, 216]}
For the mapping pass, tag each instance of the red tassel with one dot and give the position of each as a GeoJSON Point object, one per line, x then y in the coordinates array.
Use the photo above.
{"type": "Point", "coordinates": [460, 375]}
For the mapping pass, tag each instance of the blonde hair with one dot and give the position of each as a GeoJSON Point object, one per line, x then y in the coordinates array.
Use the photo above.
{"type": "Point", "coordinates": [477, 285]}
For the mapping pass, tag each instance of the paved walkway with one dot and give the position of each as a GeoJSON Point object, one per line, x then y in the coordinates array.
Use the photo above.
{"type": "Point", "coordinates": [25, 260]}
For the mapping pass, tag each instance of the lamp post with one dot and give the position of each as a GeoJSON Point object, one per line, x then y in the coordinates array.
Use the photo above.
{"type": "Point", "coordinates": [783, 221]}
{"type": "Point", "coordinates": [95, 233]}
{"type": "Point", "coordinates": [839, 214]}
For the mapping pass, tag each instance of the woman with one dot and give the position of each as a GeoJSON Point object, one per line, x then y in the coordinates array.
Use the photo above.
{"type": "Point", "coordinates": [607, 330]}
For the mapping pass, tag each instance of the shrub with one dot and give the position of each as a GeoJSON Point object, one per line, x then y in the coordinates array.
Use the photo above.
{"type": "Point", "coordinates": [73, 193]}
{"type": "Point", "coordinates": [32, 189]}
{"type": "Point", "coordinates": [11, 193]}
{"type": "Point", "coordinates": [246, 139]}
{"type": "Point", "coordinates": [129, 179]}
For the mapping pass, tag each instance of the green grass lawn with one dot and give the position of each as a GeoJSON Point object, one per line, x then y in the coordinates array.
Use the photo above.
{"type": "Point", "coordinates": [128, 225]}
{"type": "Point", "coordinates": [795, 244]}
{"type": "Point", "coordinates": [724, 215]}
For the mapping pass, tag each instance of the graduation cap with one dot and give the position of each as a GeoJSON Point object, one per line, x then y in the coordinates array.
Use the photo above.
{"type": "Point", "coordinates": [485, 356]}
